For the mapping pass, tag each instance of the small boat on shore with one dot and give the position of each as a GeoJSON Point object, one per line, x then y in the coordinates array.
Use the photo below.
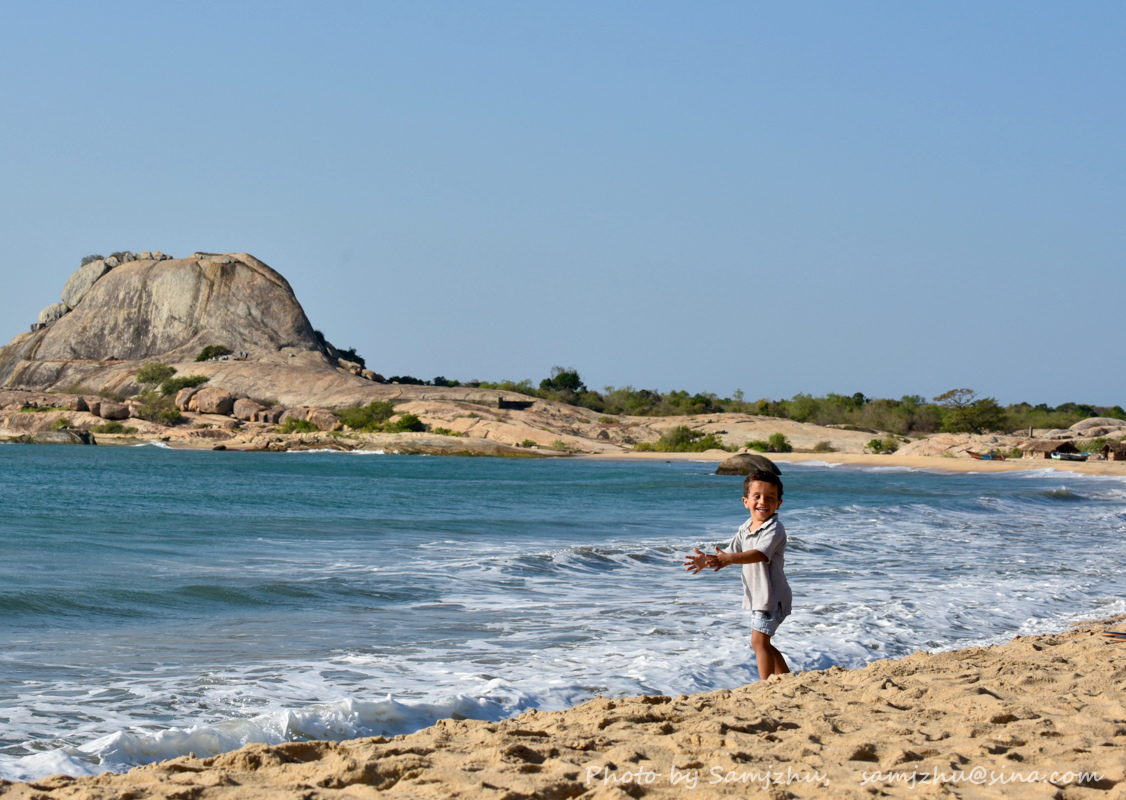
{"type": "Point", "coordinates": [985, 456]}
{"type": "Point", "coordinates": [1070, 456]}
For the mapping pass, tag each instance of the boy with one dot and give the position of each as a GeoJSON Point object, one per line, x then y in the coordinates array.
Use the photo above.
{"type": "Point", "coordinates": [760, 547]}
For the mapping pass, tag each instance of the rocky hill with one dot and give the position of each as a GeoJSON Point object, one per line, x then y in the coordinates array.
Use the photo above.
{"type": "Point", "coordinates": [116, 311]}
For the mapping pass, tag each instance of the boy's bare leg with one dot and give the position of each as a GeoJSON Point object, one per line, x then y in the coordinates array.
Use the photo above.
{"type": "Point", "coordinates": [770, 661]}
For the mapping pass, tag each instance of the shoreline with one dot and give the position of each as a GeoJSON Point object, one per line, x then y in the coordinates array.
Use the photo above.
{"type": "Point", "coordinates": [1024, 710]}
{"type": "Point", "coordinates": [1109, 468]}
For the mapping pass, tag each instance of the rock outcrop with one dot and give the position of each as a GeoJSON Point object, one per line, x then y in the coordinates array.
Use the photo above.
{"type": "Point", "coordinates": [82, 281]}
{"type": "Point", "coordinates": [116, 313]}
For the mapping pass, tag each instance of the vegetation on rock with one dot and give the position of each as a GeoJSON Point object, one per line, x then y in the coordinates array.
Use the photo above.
{"type": "Point", "coordinates": [155, 372]}
{"type": "Point", "coordinates": [775, 443]}
{"type": "Point", "coordinates": [683, 439]}
{"type": "Point", "coordinates": [294, 425]}
{"type": "Point", "coordinates": [157, 407]}
{"type": "Point", "coordinates": [212, 351]}
{"type": "Point", "coordinates": [369, 418]}
{"type": "Point", "coordinates": [408, 423]}
{"type": "Point", "coordinates": [113, 426]}
{"type": "Point", "coordinates": [888, 444]}
{"type": "Point", "coordinates": [170, 386]}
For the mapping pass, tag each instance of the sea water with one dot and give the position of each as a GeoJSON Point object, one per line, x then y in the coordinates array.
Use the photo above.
{"type": "Point", "coordinates": [157, 602]}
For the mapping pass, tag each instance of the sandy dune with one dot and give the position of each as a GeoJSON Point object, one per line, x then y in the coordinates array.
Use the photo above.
{"type": "Point", "coordinates": [990, 722]}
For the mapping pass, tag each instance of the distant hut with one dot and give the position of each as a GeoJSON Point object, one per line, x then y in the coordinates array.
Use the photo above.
{"type": "Point", "coordinates": [1114, 451]}
{"type": "Point", "coordinates": [1044, 449]}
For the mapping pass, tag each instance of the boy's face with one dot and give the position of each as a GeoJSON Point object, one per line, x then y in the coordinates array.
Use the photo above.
{"type": "Point", "coordinates": [762, 501]}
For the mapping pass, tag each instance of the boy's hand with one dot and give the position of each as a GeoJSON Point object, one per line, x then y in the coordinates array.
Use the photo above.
{"type": "Point", "coordinates": [696, 562]}
{"type": "Point", "coordinates": [699, 561]}
{"type": "Point", "coordinates": [717, 561]}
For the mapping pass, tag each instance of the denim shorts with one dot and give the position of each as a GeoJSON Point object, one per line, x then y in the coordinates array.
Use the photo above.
{"type": "Point", "coordinates": [766, 621]}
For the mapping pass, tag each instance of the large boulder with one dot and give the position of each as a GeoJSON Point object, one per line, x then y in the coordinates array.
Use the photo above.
{"type": "Point", "coordinates": [245, 409]}
{"type": "Point", "coordinates": [111, 410]}
{"type": "Point", "coordinates": [324, 420]}
{"type": "Point", "coordinates": [83, 280]}
{"type": "Point", "coordinates": [270, 415]}
{"type": "Point", "coordinates": [184, 396]}
{"type": "Point", "coordinates": [213, 400]}
{"type": "Point", "coordinates": [171, 309]}
{"type": "Point", "coordinates": [745, 464]}
{"type": "Point", "coordinates": [65, 436]}
{"type": "Point", "coordinates": [53, 313]}
{"type": "Point", "coordinates": [1084, 425]}
{"type": "Point", "coordinates": [299, 413]}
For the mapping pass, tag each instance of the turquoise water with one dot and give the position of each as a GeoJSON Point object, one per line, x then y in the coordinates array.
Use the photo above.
{"type": "Point", "coordinates": [155, 602]}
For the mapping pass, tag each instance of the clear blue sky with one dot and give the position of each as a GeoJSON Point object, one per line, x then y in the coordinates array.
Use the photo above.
{"type": "Point", "coordinates": [892, 198]}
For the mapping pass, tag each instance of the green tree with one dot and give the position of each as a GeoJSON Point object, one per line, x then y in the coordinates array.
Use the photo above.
{"type": "Point", "coordinates": [965, 412]}
{"type": "Point", "coordinates": [155, 372]}
{"type": "Point", "coordinates": [563, 379]}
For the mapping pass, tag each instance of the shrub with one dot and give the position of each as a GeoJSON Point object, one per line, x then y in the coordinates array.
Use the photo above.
{"type": "Point", "coordinates": [351, 355]}
{"type": "Point", "coordinates": [406, 380]}
{"type": "Point", "coordinates": [775, 443]}
{"type": "Point", "coordinates": [824, 447]}
{"type": "Point", "coordinates": [369, 418]}
{"type": "Point", "coordinates": [60, 423]}
{"type": "Point", "coordinates": [158, 408]}
{"type": "Point", "coordinates": [155, 372]}
{"type": "Point", "coordinates": [173, 385]}
{"type": "Point", "coordinates": [113, 426]}
{"type": "Point", "coordinates": [608, 420]}
{"type": "Point", "coordinates": [91, 258]}
{"type": "Point", "coordinates": [294, 425]}
{"type": "Point", "coordinates": [444, 432]}
{"type": "Point", "coordinates": [683, 439]}
{"type": "Point", "coordinates": [779, 443]}
{"type": "Point", "coordinates": [212, 351]}
{"type": "Point", "coordinates": [408, 423]}
{"type": "Point", "coordinates": [886, 445]}
{"type": "Point", "coordinates": [559, 444]}
{"type": "Point", "coordinates": [527, 443]}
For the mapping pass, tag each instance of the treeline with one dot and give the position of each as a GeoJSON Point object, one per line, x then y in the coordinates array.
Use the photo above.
{"type": "Point", "coordinates": [959, 410]}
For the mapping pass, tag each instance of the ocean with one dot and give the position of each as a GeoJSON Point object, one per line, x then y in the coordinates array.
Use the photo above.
{"type": "Point", "coordinates": [156, 602]}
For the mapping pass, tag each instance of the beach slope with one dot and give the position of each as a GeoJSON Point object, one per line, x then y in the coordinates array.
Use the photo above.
{"type": "Point", "coordinates": [1023, 719]}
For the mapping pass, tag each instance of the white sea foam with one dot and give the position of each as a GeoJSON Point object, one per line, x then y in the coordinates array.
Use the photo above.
{"type": "Point", "coordinates": [338, 452]}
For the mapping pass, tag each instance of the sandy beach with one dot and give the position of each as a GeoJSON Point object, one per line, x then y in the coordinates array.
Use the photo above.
{"type": "Point", "coordinates": [1041, 716]}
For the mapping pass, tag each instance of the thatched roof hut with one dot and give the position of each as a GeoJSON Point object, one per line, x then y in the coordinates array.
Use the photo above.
{"type": "Point", "coordinates": [1045, 448]}
{"type": "Point", "coordinates": [1115, 451]}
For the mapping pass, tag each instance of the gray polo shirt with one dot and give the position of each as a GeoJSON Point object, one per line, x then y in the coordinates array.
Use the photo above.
{"type": "Point", "coordinates": [764, 582]}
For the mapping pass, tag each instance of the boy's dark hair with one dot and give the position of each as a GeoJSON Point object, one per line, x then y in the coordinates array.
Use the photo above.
{"type": "Point", "coordinates": [764, 475]}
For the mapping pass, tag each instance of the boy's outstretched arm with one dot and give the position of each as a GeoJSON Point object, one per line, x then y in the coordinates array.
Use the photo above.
{"type": "Point", "coordinates": [720, 559]}
{"type": "Point", "coordinates": [698, 561]}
